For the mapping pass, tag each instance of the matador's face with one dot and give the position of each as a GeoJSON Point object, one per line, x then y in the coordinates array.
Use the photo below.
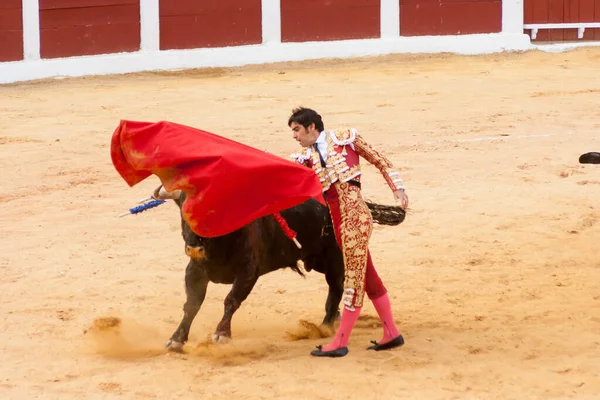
{"type": "Point", "coordinates": [305, 136]}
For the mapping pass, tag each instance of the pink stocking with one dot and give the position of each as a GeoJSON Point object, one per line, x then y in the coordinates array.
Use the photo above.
{"type": "Point", "coordinates": [384, 309]}
{"type": "Point", "coordinates": [342, 335]}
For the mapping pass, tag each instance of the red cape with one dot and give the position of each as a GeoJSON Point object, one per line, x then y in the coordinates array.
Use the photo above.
{"type": "Point", "coordinates": [227, 184]}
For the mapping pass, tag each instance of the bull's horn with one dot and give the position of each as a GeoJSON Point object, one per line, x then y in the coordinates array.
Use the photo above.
{"type": "Point", "coordinates": [160, 193]}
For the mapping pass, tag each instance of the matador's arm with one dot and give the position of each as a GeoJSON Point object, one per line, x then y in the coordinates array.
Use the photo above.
{"type": "Point", "coordinates": [390, 174]}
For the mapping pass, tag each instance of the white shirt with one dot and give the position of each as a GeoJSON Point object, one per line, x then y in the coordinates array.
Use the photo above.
{"type": "Point", "coordinates": [322, 145]}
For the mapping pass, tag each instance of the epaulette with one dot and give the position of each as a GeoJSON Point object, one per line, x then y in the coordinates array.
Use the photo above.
{"type": "Point", "coordinates": [301, 156]}
{"type": "Point", "coordinates": [343, 137]}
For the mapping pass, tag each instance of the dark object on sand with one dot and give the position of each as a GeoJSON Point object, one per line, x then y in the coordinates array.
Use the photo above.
{"type": "Point", "coordinates": [590, 158]}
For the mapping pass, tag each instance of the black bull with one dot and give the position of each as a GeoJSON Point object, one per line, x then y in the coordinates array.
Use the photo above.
{"type": "Point", "coordinates": [241, 257]}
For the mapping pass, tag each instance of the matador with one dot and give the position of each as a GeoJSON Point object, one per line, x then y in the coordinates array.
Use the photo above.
{"type": "Point", "coordinates": [334, 155]}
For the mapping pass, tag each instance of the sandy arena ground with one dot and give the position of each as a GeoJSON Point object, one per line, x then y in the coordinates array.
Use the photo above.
{"type": "Point", "coordinates": [494, 276]}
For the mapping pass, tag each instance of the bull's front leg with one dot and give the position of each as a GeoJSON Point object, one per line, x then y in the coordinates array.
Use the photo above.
{"type": "Point", "coordinates": [196, 283]}
{"type": "Point", "coordinates": [244, 281]}
{"type": "Point", "coordinates": [242, 286]}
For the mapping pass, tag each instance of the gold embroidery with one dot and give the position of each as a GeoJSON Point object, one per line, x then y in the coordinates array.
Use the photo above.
{"type": "Point", "coordinates": [337, 168]}
{"type": "Point", "coordinates": [355, 231]}
{"type": "Point", "coordinates": [349, 173]}
{"type": "Point", "coordinates": [343, 137]}
{"type": "Point", "coordinates": [366, 151]}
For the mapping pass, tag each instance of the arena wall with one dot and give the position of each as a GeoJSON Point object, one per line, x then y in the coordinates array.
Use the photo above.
{"type": "Point", "coordinates": [70, 28]}
{"type": "Point", "coordinates": [562, 12]}
{"type": "Point", "coordinates": [11, 30]}
{"type": "Point", "coordinates": [193, 24]}
{"type": "Point", "coordinates": [52, 38]}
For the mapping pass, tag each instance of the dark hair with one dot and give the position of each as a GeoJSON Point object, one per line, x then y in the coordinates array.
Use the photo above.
{"type": "Point", "coordinates": [305, 116]}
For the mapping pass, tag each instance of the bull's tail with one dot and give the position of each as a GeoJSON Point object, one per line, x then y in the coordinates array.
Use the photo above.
{"type": "Point", "coordinates": [295, 267]}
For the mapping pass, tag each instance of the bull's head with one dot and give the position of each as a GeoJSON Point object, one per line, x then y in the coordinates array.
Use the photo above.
{"type": "Point", "coordinates": [193, 247]}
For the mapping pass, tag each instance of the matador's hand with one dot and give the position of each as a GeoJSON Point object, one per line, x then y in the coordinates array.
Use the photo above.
{"type": "Point", "coordinates": [401, 196]}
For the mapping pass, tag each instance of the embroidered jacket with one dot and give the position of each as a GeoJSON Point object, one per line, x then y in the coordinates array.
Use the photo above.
{"type": "Point", "coordinates": [344, 148]}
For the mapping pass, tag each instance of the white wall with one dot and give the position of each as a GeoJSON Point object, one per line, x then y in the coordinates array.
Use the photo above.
{"type": "Point", "coordinates": [271, 50]}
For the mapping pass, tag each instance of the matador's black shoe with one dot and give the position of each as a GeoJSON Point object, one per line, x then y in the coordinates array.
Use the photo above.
{"type": "Point", "coordinates": [341, 352]}
{"type": "Point", "coordinates": [396, 342]}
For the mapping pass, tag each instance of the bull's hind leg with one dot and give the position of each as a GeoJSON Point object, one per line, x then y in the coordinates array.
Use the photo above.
{"type": "Point", "coordinates": [335, 280]}
{"type": "Point", "coordinates": [333, 260]}
{"type": "Point", "coordinates": [196, 283]}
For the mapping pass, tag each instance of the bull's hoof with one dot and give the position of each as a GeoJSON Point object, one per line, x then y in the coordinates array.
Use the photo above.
{"type": "Point", "coordinates": [330, 322]}
{"type": "Point", "coordinates": [220, 338]}
{"type": "Point", "coordinates": [174, 346]}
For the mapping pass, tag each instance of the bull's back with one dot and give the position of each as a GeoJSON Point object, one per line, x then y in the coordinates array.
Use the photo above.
{"type": "Point", "coordinates": [229, 255]}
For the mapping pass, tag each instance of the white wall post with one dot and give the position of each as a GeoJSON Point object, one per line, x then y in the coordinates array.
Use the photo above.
{"type": "Point", "coordinates": [31, 30]}
{"type": "Point", "coordinates": [271, 21]}
{"type": "Point", "coordinates": [512, 16]}
{"type": "Point", "coordinates": [149, 25]}
{"type": "Point", "coordinates": [390, 18]}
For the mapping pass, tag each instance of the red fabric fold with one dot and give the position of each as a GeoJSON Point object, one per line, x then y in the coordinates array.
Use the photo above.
{"type": "Point", "coordinates": [227, 184]}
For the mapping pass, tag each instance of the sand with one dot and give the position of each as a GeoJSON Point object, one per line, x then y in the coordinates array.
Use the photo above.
{"type": "Point", "coordinates": [494, 276]}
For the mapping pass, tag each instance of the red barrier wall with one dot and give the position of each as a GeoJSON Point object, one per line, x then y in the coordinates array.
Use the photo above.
{"type": "Point", "coordinates": [323, 20]}
{"type": "Point", "coordinates": [190, 24]}
{"type": "Point", "coordinates": [86, 27]}
{"type": "Point", "coordinates": [557, 11]}
{"type": "Point", "coordinates": [11, 30]}
{"type": "Point", "coordinates": [450, 17]}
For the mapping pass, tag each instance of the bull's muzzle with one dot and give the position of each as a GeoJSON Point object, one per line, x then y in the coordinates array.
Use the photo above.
{"type": "Point", "coordinates": [195, 252]}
